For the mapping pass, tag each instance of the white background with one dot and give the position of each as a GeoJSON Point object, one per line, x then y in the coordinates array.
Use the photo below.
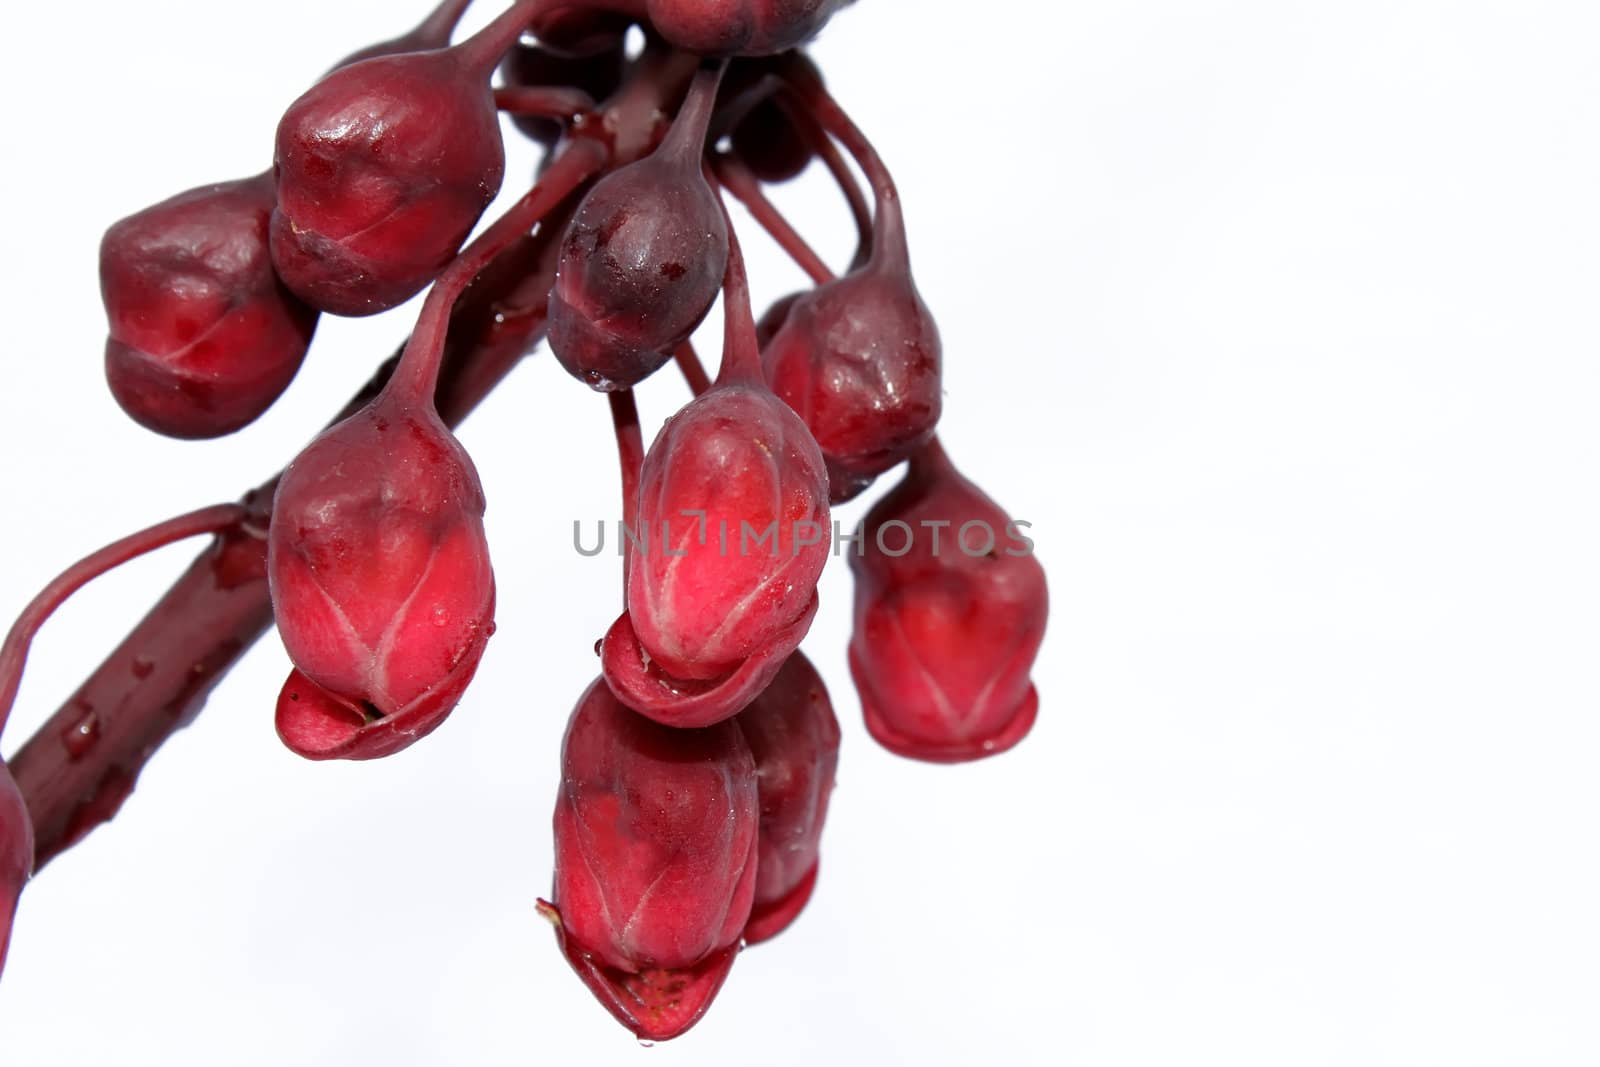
{"type": "Point", "coordinates": [1277, 318]}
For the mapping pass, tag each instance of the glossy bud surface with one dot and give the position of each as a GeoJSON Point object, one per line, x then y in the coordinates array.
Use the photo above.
{"type": "Point", "coordinates": [203, 335]}
{"type": "Point", "coordinates": [383, 169]}
{"type": "Point", "coordinates": [381, 583]}
{"type": "Point", "coordinates": [945, 637]}
{"type": "Point", "coordinates": [794, 736]}
{"type": "Point", "coordinates": [655, 842]}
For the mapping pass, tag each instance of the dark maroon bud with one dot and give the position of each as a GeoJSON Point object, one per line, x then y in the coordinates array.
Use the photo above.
{"type": "Point", "coordinates": [529, 66]}
{"type": "Point", "coordinates": [739, 27]}
{"type": "Point", "coordinates": [794, 736]}
{"type": "Point", "coordinates": [655, 844]}
{"type": "Point", "coordinates": [859, 358]}
{"type": "Point", "coordinates": [203, 336]}
{"type": "Point", "coordinates": [643, 259]}
{"type": "Point", "coordinates": [768, 142]}
{"type": "Point", "coordinates": [946, 629]}
{"type": "Point", "coordinates": [16, 854]}
{"type": "Point", "coordinates": [383, 169]}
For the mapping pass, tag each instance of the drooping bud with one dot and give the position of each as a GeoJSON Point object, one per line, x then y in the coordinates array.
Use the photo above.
{"type": "Point", "coordinates": [655, 844]}
{"type": "Point", "coordinates": [643, 258]}
{"type": "Point", "coordinates": [700, 604]}
{"type": "Point", "coordinates": [794, 736]}
{"type": "Point", "coordinates": [203, 335]}
{"type": "Point", "coordinates": [381, 583]}
{"type": "Point", "coordinates": [950, 610]}
{"type": "Point", "coordinates": [384, 167]}
{"type": "Point", "coordinates": [860, 359]}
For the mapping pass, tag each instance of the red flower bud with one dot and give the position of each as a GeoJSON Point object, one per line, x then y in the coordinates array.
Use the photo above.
{"type": "Point", "coordinates": [794, 736]}
{"type": "Point", "coordinates": [204, 337]}
{"type": "Point", "coordinates": [383, 169]}
{"type": "Point", "coordinates": [740, 27]}
{"type": "Point", "coordinates": [701, 602]}
{"type": "Point", "coordinates": [381, 583]}
{"type": "Point", "coordinates": [859, 358]}
{"type": "Point", "coordinates": [945, 637]}
{"type": "Point", "coordinates": [16, 854]}
{"type": "Point", "coordinates": [655, 844]}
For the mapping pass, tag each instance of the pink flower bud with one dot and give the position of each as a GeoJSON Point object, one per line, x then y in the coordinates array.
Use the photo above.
{"type": "Point", "coordinates": [16, 854]}
{"type": "Point", "coordinates": [203, 335]}
{"type": "Point", "coordinates": [708, 595]}
{"type": "Point", "coordinates": [655, 844]}
{"type": "Point", "coordinates": [945, 636]}
{"type": "Point", "coordinates": [380, 581]}
{"type": "Point", "coordinates": [794, 736]}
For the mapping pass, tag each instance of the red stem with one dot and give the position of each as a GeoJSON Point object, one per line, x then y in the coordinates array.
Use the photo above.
{"type": "Point", "coordinates": [888, 231]}
{"type": "Point", "coordinates": [828, 152]}
{"type": "Point", "coordinates": [14, 653]}
{"type": "Point", "coordinates": [687, 137]}
{"type": "Point", "coordinates": [694, 372]}
{"type": "Point", "coordinates": [544, 101]}
{"type": "Point", "coordinates": [482, 52]}
{"type": "Point", "coordinates": [738, 180]}
{"type": "Point", "coordinates": [929, 463]}
{"type": "Point", "coordinates": [741, 354]}
{"type": "Point", "coordinates": [433, 32]}
{"type": "Point", "coordinates": [630, 457]}
{"type": "Point", "coordinates": [417, 377]}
